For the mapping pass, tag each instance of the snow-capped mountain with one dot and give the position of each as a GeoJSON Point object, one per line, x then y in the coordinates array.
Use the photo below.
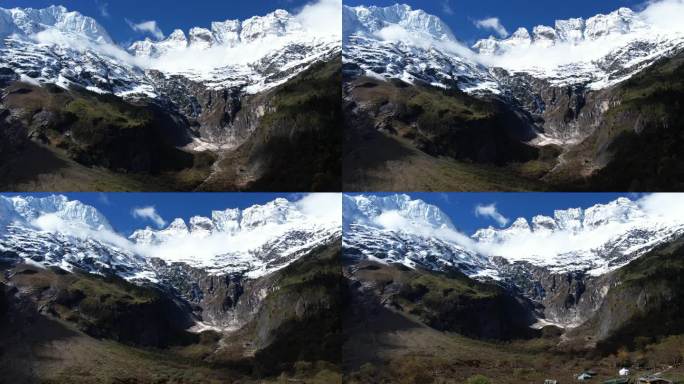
{"type": "Point", "coordinates": [229, 33]}
{"type": "Point", "coordinates": [371, 20]}
{"type": "Point", "coordinates": [26, 22]}
{"type": "Point", "coordinates": [399, 42]}
{"type": "Point", "coordinates": [54, 45]}
{"type": "Point", "coordinates": [255, 241]}
{"type": "Point", "coordinates": [600, 51]}
{"type": "Point", "coordinates": [255, 54]}
{"type": "Point", "coordinates": [397, 229]}
{"type": "Point", "coordinates": [595, 240]}
{"type": "Point", "coordinates": [55, 231]}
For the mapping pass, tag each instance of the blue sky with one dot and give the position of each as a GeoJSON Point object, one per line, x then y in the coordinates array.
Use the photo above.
{"type": "Point", "coordinates": [461, 14]}
{"type": "Point", "coordinates": [169, 14]}
{"type": "Point", "coordinates": [461, 206]}
{"type": "Point", "coordinates": [118, 207]}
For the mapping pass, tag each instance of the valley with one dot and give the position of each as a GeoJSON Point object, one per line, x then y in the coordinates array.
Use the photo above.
{"type": "Point", "coordinates": [489, 118]}
{"type": "Point", "coordinates": [77, 298]}
{"type": "Point", "coordinates": [430, 304]}
{"type": "Point", "coordinates": [108, 118]}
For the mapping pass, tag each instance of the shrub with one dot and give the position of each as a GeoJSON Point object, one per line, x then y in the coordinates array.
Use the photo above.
{"type": "Point", "coordinates": [478, 379]}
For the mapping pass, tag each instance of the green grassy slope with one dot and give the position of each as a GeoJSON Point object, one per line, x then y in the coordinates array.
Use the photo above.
{"type": "Point", "coordinates": [78, 140]}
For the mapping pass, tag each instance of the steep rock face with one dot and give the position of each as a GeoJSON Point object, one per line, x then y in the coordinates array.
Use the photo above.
{"type": "Point", "coordinates": [649, 288]}
{"type": "Point", "coordinates": [567, 299]}
{"type": "Point", "coordinates": [565, 114]}
{"type": "Point", "coordinates": [645, 120]}
{"type": "Point", "coordinates": [222, 301]}
{"type": "Point", "coordinates": [303, 313]}
{"type": "Point", "coordinates": [222, 117]}
{"type": "Point", "coordinates": [13, 135]}
{"type": "Point", "coordinates": [302, 114]}
{"type": "Point", "coordinates": [231, 301]}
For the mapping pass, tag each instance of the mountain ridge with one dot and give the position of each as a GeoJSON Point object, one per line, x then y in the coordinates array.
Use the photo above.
{"type": "Point", "coordinates": [624, 231]}
{"type": "Point", "coordinates": [81, 238]}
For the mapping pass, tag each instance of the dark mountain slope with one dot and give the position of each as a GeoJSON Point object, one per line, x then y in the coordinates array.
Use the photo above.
{"type": "Point", "coordinates": [646, 302]}
{"type": "Point", "coordinates": [446, 301]}
{"type": "Point", "coordinates": [296, 145]}
{"type": "Point", "coordinates": [644, 133]}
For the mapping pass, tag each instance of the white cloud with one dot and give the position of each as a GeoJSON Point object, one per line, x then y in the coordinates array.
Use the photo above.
{"type": "Point", "coordinates": [663, 206]}
{"type": "Point", "coordinates": [104, 198]}
{"type": "Point", "coordinates": [53, 223]}
{"type": "Point", "coordinates": [394, 221]}
{"type": "Point", "coordinates": [492, 23]}
{"type": "Point", "coordinates": [446, 7]}
{"type": "Point", "coordinates": [149, 26]}
{"type": "Point", "coordinates": [322, 206]}
{"type": "Point", "coordinates": [103, 7]}
{"type": "Point", "coordinates": [323, 17]}
{"type": "Point", "coordinates": [491, 212]}
{"type": "Point", "coordinates": [204, 249]}
{"type": "Point", "coordinates": [397, 33]}
{"type": "Point", "coordinates": [54, 36]}
{"type": "Point", "coordinates": [666, 14]}
{"type": "Point", "coordinates": [149, 213]}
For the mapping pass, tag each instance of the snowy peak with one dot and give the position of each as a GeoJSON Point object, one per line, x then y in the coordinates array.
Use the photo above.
{"type": "Point", "coordinates": [229, 222]}
{"type": "Point", "coordinates": [30, 209]}
{"type": "Point", "coordinates": [28, 22]}
{"type": "Point", "coordinates": [595, 240]}
{"type": "Point", "coordinates": [368, 209]}
{"type": "Point", "coordinates": [279, 211]}
{"type": "Point", "coordinates": [229, 33]}
{"type": "Point", "coordinates": [275, 24]}
{"type": "Point", "coordinates": [371, 20]}
{"type": "Point", "coordinates": [573, 31]}
{"type": "Point", "coordinates": [253, 242]}
{"type": "Point", "coordinates": [620, 211]}
{"type": "Point", "coordinates": [622, 21]}
{"type": "Point", "coordinates": [401, 230]}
